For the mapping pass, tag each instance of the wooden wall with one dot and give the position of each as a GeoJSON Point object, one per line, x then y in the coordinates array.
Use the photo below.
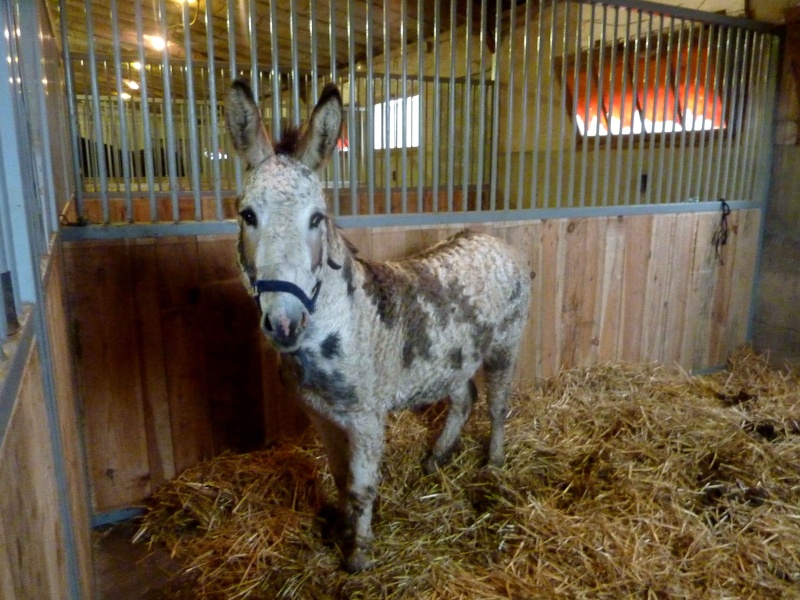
{"type": "Point", "coordinates": [33, 553]}
{"type": "Point", "coordinates": [172, 368]}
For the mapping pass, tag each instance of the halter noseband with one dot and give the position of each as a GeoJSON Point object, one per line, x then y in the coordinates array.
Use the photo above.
{"type": "Point", "coordinates": [278, 285]}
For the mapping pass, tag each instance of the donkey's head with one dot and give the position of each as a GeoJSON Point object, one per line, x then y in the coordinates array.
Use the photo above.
{"type": "Point", "coordinates": [283, 226]}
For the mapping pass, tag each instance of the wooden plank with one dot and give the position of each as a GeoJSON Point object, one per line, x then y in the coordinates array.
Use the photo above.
{"type": "Point", "coordinates": [682, 258]}
{"type": "Point", "coordinates": [230, 341]}
{"type": "Point", "coordinates": [186, 369]}
{"type": "Point", "coordinates": [67, 404]}
{"type": "Point", "coordinates": [107, 361]}
{"type": "Point", "coordinates": [722, 293]}
{"type": "Point", "coordinates": [611, 291]}
{"type": "Point", "coordinates": [741, 293]}
{"type": "Point", "coordinates": [150, 343]}
{"type": "Point", "coordinates": [657, 289]}
{"type": "Point", "coordinates": [694, 349]}
{"type": "Point", "coordinates": [29, 509]}
{"type": "Point", "coordinates": [553, 266]}
{"type": "Point", "coordinates": [638, 233]}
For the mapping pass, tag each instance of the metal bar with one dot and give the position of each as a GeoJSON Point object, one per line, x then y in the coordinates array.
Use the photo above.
{"type": "Point", "coordinates": [768, 95]}
{"type": "Point", "coordinates": [495, 110]}
{"type": "Point", "coordinates": [693, 135]}
{"type": "Point", "coordinates": [610, 108]}
{"type": "Point", "coordinates": [332, 33]}
{"type": "Point", "coordinates": [451, 110]}
{"type": "Point", "coordinates": [404, 92]}
{"type": "Point", "coordinates": [654, 136]}
{"type": "Point", "coordinates": [369, 141]}
{"type": "Point", "coordinates": [587, 94]}
{"type": "Point", "coordinates": [712, 134]}
{"type": "Point", "coordinates": [387, 115]}
{"type": "Point", "coordinates": [703, 117]}
{"type": "Point", "coordinates": [643, 118]}
{"type": "Point", "coordinates": [549, 129]}
{"type": "Point", "coordinates": [313, 34]}
{"type": "Point", "coordinates": [466, 112]}
{"type": "Point", "coordinates": [675, 118]}
{"type": "Point", "coordinates": [683, 109]}
{"type": "Point", "coordinates": [437, 104]}
{"type": "Point", "coordinates": [760, 168]}
{"type": "Point", "coordinates": [423, 134]}
{"type": "Point", "coordinates": [216, 152]}
{"type": "Point", "coordinates": [482, 104]}
{"type": "Point", "coordinates": [173, 183]}
{"type": "Point", "coordinates": [622, 109]}
{"type": "Point", "coordinates": [723, 130]}
{"type": "Point", "coordinates": [352, 132]}
{"type": "Point", "coordinates": [192, 123]}
{"type": "Point", "coordinates": [562, 136]}
{"type": "Point", "coordinates": [148, 132]}
{"type": "Point", "coordinates": [731, 192]}
{"type": "Point", "coordinates": [752, 110]}
{"type": "Point", "coordinates": [295, 63]}
{"type": "Point", "coordinates": [523, 144]}
{"type": "Point", "coordinates": [98, 129]}
{"type": "Point", "coordinates": [512, 17]}
{"type": "Point", "coordinates": [276, 76]}
{"type": "Point", "coordinates": [600, 75]}
{"type": "Point", "coordinates": [74, 133]}
{"type": "Point", "coordinates": [730, 115]}
{"type": "Point", "coordinates": [743, 132]}
{"type": "Point", "coordinates": [576, 87]}
{"type": "Point", "coordinates": [123, 121]}
{"type": "Point", "coordinates": [634, 110]}
{"type": "Point", "coordinates": [231, 21]}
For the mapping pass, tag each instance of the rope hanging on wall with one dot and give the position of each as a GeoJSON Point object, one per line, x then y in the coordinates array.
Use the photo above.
{"type": "Point", "coordinates": [720, 237]}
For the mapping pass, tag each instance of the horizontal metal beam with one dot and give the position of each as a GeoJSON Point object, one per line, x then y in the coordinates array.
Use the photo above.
{"type": "Point", "coordinates": [678, 12]}
{"type": "Point", "coordinates": [159, 230]}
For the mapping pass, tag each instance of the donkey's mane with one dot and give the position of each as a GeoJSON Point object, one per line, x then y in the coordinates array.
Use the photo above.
{"type": "Point", "coordinates": [290, 139]}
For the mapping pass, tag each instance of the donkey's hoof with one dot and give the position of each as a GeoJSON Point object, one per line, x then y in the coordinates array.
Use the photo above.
{"type": "Point", "coordinates": [429, 465]}
{"type": "Point", "coordinates": [358, 561]}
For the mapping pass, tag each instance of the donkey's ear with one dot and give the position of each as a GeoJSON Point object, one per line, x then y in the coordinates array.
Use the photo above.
{"type": "Point", "coordinates": [245, 127]}
{"type": "Point", "coordinates": [324, 128]}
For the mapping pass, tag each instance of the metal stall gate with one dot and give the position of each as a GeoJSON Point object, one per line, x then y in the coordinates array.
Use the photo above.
{"type": "Point", "coordinates": [459, 111]}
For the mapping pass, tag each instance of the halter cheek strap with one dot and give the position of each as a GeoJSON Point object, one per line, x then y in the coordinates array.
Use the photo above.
{"type": "Point", "coordinates": [278, 285]}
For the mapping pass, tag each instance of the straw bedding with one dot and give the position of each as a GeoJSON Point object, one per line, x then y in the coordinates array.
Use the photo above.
{"type": "Point", "coordinates": [620, 481]}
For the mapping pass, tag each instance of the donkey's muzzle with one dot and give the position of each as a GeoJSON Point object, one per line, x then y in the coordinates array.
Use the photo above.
{"type": "Point", "coordinates": [283, 329]}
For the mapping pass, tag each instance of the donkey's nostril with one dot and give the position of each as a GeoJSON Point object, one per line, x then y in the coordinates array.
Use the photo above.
{"type": "Point", "coordinates": [266, 324]}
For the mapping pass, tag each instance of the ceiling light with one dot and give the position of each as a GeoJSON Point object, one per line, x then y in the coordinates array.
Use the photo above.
{"type": "Point", "coordinates": [136, 65]}
{"type": "Point", "coordinates": [125, 96]}
{"type": "Point", "coordinates": [156, 41]}
{"type": "Point", "coordinates": [132, 84]}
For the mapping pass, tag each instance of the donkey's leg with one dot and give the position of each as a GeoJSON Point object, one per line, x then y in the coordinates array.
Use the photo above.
{"type": "Point", "coordinates": [337, 449]}
{"type": "Point", "coordinates": [366, 443]}
{"type": "Point", "coordinates": [461, 401]}
{"type": "Point", "coordinates": [498, 367]}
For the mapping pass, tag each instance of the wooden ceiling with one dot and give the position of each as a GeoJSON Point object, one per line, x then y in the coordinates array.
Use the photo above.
{"type": "Point", "coordinates": [291, 27]}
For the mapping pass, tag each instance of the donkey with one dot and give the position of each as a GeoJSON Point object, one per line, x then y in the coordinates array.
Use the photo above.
{"type": "Point", "coordinates": [369, 337]}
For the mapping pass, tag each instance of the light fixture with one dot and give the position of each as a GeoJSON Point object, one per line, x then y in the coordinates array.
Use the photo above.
{"type": "Point", "coordinates": [156, 41]}
{"type": "Point", "coordinates": [125, 96]}
{"type": "Point", "coordinates": [132, 84]}
{"type": "Point", "coordinates": [136, 65]}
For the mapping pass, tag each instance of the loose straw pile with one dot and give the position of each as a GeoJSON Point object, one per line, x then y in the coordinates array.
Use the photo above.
{"type": "Point", "coordinates": [620, 481]}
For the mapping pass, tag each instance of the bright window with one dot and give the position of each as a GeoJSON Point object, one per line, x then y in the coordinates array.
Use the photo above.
{"type": "Point", "coordinates": [669, 92]}
{"type": "Point", "coordinates": [392, 113]}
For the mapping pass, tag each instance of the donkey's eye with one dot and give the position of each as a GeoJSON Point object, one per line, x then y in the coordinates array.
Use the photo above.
{"type": "Point", "coordinates": [249, 217]}
{"type": "Point", "coordinates": [316, 219]}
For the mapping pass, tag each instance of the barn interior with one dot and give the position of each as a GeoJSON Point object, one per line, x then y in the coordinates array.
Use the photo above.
{"type": "Point", "coordinates": [643, 157]}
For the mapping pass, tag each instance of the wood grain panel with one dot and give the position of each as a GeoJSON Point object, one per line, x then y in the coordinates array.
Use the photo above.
{"type": "Point", "coordinates": [635, 288]}
{"type": "Point", "coordinates": [29, 503]}
{"type": "Point", "coordinates": [68, 416]}
{"type": "Point", "coordinates": [107, 358]}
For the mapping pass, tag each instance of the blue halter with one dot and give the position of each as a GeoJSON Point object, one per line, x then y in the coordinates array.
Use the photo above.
{"type": "Point", "coordinates": [278, 285]}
